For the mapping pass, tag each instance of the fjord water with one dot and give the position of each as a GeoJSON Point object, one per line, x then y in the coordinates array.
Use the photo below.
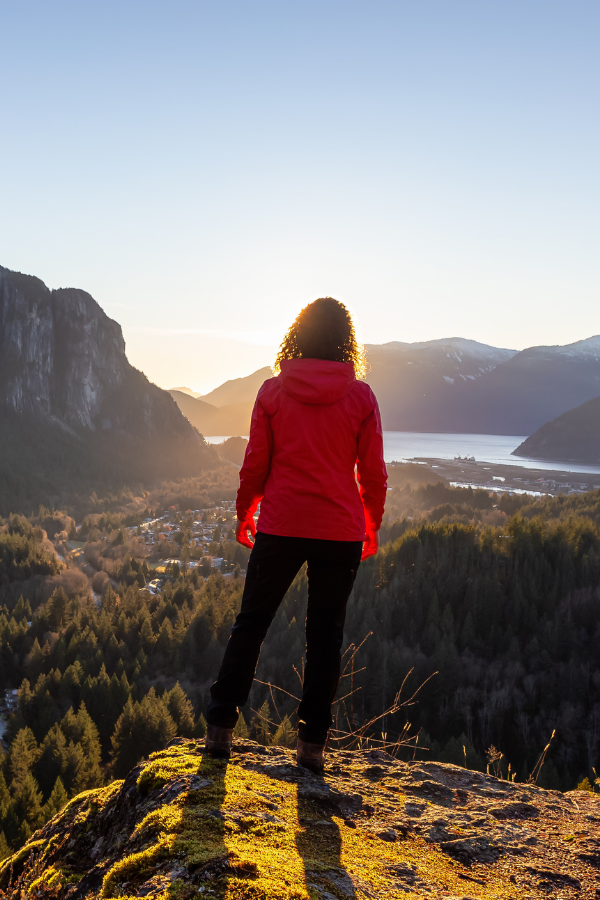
{"type": "Point", "coordinates": [400, 446]}
{"type": "Point", "coordinates": [496, 448]}
{"type": "Point", "coordinates": [490, 448]}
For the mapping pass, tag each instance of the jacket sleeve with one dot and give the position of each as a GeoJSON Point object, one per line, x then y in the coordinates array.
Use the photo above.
{"type": "Point", "coordinates": [257, 462]}
{"type": "Point", "coordinates": [371, 472]}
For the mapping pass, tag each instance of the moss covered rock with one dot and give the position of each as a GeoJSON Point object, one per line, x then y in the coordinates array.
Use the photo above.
{"type": "Point", "coordinates": [183, 825]}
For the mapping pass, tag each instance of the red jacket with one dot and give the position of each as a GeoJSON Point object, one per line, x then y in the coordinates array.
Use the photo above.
{"type": "Point", "coordinates": [311, 425]}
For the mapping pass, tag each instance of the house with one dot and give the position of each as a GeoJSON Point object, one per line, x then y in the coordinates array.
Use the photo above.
{"type": "Point", "coordinates": [11, 698]}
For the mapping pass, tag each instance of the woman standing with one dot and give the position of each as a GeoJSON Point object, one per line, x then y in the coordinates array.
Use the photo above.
{"type": "Point", "coordinates": [314, 462]}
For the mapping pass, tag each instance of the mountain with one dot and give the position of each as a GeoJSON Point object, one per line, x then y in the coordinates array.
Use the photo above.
{"type": "Point", "coordinates": [238, 390]}
{"type": "Point", "coordinates": [182, 825]}
{"type": "Point", "coordinates": [532, 388]}
{"type": "Point", "coordinates": [215, 420]}
{"type": "Point", "coordinates": [186, 390]}
{"type": "Point", "coordinates": [75, 416]}
{"type": "Point", "coordinates": [435, 367]}
{"type": "Point", "coordinates": [227, 409]}
{"type": "Point", "coordinates": [453, 385]}
{"type": "Point", "coordinates": [420, 386]}
{"type": "Point", "coordinates": [462, 387]}
{"type": "Point", "coordinates": [572, 437]}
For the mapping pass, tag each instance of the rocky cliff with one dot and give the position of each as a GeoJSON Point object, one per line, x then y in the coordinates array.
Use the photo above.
{"type": "Point", "coordinates": [67, 391]}
{"type": "Point", "coordinates": [259, 828]}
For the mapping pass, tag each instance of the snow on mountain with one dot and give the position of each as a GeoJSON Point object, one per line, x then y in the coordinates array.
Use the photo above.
{"type": "Point", "coordinates": [588, 348]}
{"type": "Point", "coordinates": [452, 359]}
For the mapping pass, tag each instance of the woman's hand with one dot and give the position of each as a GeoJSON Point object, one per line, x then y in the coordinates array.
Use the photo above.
{"type": "Point", "coordinates": [370, 545]}
{"type": "Point", "coordinates": [241, 532]}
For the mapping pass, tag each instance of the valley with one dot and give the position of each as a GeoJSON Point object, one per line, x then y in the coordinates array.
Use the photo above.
{"type": "Point", "coordinates": [118, 595]}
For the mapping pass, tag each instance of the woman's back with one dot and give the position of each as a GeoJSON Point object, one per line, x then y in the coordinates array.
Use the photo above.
{"type": "Point", "coordinates": [311, 426]}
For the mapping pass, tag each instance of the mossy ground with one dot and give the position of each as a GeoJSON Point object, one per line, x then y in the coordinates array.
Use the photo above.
{"type": "Point", "coordinates": [257, 828]}
{"type": "Point", "coordinates": [275, 859]}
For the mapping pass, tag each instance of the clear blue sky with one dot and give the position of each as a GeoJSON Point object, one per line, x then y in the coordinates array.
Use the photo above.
{"type": "Point", "coordinates": [205, 169]}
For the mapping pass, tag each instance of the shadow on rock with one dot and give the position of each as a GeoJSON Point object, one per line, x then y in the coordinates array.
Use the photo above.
{"type": "Point", "coordinates": [319, 840]}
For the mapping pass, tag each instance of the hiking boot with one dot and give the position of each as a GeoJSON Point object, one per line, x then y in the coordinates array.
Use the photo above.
{"type": "Point", "coordinates": [218, 741]}
{"type": "Point", "coordinates": [311, 756]}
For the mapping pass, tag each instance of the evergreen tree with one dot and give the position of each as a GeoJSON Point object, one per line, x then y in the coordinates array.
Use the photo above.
{"type": "Point", "coordinates": [56, 608]}
{"type": "Point", "coordinates": [80, 729]}
{"type": "Point", "coordinates": [4, 796]}
{"type": "Point", "coordinates": [11, 825]}
{"type": "Point", "coordinates": [57, 799]}
{"type": "Point", "coordinates": [110, 599]}
{"type": "Point", "coordinates": [164, 641]}
{"type": "Point", "coordinates": [97, 698]}
{"type": "Point", "coordinates": [22, 609]}
{"type": "Point", "coordinates": [200, 727]}
{"type": "Point", "coordinates": [285, 735]}
{"type": "Point", "coordinates": [122, 750]}
{"type": "Point", "coordinates": [28, 801]}
{"type": "Point", "coordinates": [181, 711]}
{"type": "Point", "coordinates": [142, 728]}
{"type": "Point", "coordinates": [241, 729]}
{"type": "Point", "coordinates": [261, 724]}
{"type": "Point", "coordinates": [24, 832]}
{"type": "Point", "coordinates": [22, 756]}
{"type": "Point", "coordinates": [4, 848]}
{"type": "Point", "coordinates": [147, 638]}
{"type": "Point", "coordinates": [52, 762]}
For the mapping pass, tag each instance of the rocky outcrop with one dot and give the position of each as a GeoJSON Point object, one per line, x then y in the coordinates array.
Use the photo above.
{"type": "Point", "coordinates": [67, 387]}
{"type": "Point", "coordinates": [182, 825]}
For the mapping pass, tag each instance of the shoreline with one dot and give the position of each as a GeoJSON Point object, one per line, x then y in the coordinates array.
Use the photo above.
{"type": "Point", "coordinates": [500, 477]}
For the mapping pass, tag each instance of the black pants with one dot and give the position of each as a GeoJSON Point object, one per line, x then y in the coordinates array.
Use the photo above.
{"type": "Point", "coordinates": [273, 565]}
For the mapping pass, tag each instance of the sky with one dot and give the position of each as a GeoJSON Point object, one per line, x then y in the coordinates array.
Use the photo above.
{"type": "Point", "coordinates": [204, 170]}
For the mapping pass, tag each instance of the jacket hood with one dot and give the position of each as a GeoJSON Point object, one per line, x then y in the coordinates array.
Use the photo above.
{"type": "Point", "coordinates": [317, 381]}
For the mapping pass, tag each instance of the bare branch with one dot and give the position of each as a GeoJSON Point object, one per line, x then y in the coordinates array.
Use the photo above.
{"type": "Point", "coordinates": [277, 688]}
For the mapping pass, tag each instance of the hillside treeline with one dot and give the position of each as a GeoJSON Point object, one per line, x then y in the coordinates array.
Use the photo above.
{"type": "Point", "coordinates": [507, 614]}
{"type": "Point", "coordinates": [102, 470]}
{"type": "Point", "coordinates": [42, 461]}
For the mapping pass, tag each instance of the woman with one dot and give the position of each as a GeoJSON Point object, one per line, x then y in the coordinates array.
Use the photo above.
{"type": "Point", "coordinates": [314, 462]}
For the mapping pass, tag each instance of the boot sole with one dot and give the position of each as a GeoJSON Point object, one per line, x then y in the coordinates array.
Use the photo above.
{"type": "Point", "coordinates": [218, 751]}
{"type": "Point", "coordinates": [312, 764]}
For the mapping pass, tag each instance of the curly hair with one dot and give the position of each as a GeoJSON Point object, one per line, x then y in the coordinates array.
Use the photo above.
{"type": "Point", "coordinates": [323, 330]}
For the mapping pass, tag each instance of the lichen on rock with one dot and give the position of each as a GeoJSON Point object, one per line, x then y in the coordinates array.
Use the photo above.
{"type": "Point", "coordinates": [183, 825]}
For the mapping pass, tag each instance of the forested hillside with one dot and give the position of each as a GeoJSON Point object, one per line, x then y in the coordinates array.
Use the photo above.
{"type": "Point", "coordinates": [574, 436]}
{"type": "Point", "coordinates": [499, 595]}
